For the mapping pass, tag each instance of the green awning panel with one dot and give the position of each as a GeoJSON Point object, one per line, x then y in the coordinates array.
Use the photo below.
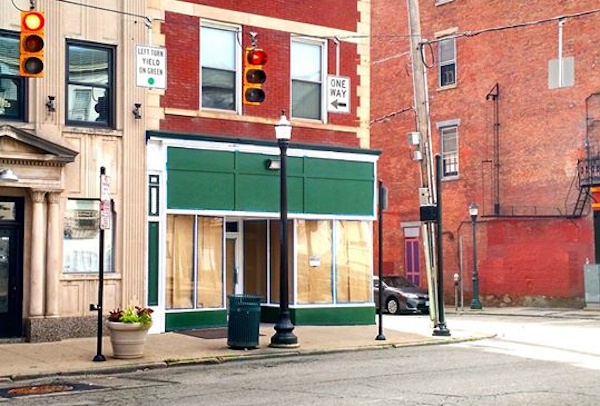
{"type": "Point", "coordinates": [241, 181]}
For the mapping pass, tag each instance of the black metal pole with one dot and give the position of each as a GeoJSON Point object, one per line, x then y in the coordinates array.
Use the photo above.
{"type": "Point", "coordinates": [284, 336]}
{"type": "Point", "coordinates": [380, 336]}
{"type": "Point", "coordinates": [475, 303]}
{"type": "Point", "coordinates": [441, 329]}
{"type": "Point", "coordinates": [98, 307]}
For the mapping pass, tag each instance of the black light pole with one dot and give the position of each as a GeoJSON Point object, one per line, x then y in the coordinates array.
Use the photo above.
{"type": "Point", "coordinates": [284, 336]}
{"type": "Point", "coordinates": [475, 303]}
{"type": "Point", "coordinates": [440, 329]}
{"type": "Point", "coordinates": [382, 205]}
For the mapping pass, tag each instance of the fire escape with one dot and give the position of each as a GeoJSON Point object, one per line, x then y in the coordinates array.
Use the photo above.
{"type": "Point", "coordinates": [588, 169]}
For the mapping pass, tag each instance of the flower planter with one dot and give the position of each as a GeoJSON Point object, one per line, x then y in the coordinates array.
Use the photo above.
{"type": "Point", "coordinates": [127, 339]}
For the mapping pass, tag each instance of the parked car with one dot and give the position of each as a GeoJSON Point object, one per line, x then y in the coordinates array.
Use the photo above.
{"type": "Point", "coordinates": [401, 296]}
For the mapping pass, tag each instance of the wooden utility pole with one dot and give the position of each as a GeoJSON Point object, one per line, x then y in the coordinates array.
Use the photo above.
{"type": "Point", "coordinates": [427, 194]}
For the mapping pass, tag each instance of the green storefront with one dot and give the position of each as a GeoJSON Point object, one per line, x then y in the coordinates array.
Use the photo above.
{"type": "Point", "coordinates": [214, 230]}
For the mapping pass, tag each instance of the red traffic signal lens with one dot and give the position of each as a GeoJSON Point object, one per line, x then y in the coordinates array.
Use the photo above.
{"type": "Point", "coordinates": [256, 76]}
{"type": "Point", "coordinates": [32, 21]}
{"type": "Point", "coordinates": [33, 65]}
{"type": "Point", "coordinates": [33, 43]}
{"type": "Point", "coordinates": [257, 57]}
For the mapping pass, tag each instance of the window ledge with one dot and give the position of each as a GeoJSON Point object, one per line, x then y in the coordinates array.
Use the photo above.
{"type": "Point", "coordinates": [71, 277]}
{"type": "Point", "coordinates": [449, 178]}
{"type": "Point", "coordinates": [93, 130]}
{"type": "Point", "coordinates": [442, 88]}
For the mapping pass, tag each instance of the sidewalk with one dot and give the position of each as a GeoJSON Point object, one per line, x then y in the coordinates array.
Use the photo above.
{"type": "Point", "coordinates": [19, 361]}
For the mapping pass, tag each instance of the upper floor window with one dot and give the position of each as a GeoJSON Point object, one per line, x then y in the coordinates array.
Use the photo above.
{"type": "Point", "coordinates": [90, 84]}
{"type": "Point", "coordinates": [447, 58]}
{"type": "Point", "coordinates": [307, 67]}
{"type": "Point", "coordinates": [219, 61]}
{"type": "Point", "coordinates": [12, 85]}
{"type": "Point", "coordinates": [449, 151]}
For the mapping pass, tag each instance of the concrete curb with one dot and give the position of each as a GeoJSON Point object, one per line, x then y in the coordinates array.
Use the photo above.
{"type": "Point", "coordinates": [217, 360]}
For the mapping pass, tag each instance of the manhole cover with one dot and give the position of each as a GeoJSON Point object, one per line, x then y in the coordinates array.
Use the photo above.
{"type": "Point", "coordinates": [45, 389]}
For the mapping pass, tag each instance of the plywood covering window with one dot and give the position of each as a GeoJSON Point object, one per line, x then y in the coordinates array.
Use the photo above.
{"type": "Point", "coordinates": [314, 247]}
{"type": "Point", "coordinates": [194, 262]}
{"type": "Point", "coordinates": [353, 259]}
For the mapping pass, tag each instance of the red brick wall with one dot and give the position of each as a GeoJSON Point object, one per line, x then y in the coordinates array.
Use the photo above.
{"type": "Point", "coordinates": [182, 36]}
{"type": "Point", "coordinates": [541, 135]}
{"type": "Point", "coordinates": [330, 13]}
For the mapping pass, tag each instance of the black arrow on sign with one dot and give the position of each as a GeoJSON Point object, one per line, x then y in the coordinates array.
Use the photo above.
{"type": "Point", "coordinates": [337, 104]}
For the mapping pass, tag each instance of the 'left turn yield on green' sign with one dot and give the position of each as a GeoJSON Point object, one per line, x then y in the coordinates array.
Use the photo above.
{"type": "Point", "coordinates": [151, 67]}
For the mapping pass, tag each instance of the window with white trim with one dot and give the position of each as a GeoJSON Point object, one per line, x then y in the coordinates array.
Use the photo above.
{"type": "Point", "coordinates": [449, 151]}
{"type": "Point", "coordinates": [307, 67]}
{"type": "Point", "coordinates": [447, 58]}
{"type": "Point", "coordinates": [219, 52]}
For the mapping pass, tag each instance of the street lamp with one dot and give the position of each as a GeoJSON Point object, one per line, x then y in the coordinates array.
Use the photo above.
{"type": "Point", "coordinates": [284, 336]}
{"type": "Point", "coordinates": [475, 303]}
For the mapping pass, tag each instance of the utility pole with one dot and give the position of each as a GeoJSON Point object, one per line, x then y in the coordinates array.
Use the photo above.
{"type": "Point", "coordinates": [427, 194]}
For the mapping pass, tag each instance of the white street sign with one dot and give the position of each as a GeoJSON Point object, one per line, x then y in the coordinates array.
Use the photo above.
{"type": "Point", "coordinates": [151, 67]}
{"type": "Point", "coordinates": [338, 94]}
{"type": "Point", "coordinates": [105, 209]}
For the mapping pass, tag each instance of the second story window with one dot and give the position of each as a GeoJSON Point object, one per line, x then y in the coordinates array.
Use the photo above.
{"type": "Point", "coordinates": [90, 84]}
{"type": "Point", "coordinates": [307, 79]}
{"type": "Point", "coordinates": [447, 58]}
{"type": "Point", "coordinates": [218, 50]}
{"type": "Point", "coordinates": [12, 86]}
{"type": "Point", "coordinates": [449, 151]}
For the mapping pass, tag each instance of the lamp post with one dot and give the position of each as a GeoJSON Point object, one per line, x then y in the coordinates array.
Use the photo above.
{"type": "Point", "coordinates": [475, 303]}
{"type": "Point", "coordinates": [284, 336]}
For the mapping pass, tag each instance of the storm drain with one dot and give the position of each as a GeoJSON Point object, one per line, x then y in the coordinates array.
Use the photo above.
{"type": "Point", "coordinates": [45, 389]}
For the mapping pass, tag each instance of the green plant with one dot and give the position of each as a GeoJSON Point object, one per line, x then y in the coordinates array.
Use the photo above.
{"type": "Point", "coordinates": [132, 314]}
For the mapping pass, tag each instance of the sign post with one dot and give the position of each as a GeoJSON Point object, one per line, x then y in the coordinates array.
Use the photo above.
{"type": "Point", "coordinates": [105, 218]}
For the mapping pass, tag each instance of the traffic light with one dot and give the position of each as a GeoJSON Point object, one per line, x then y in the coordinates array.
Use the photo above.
{"type": "Point", "coordinates": [32, 44]}
{"type": "Point", "coordinates": [254, 76]}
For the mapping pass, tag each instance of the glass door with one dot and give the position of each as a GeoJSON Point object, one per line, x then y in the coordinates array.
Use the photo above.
{"type": "Point", "coordinates": [10, 284]}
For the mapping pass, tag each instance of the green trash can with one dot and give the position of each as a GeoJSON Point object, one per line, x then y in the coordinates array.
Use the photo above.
{"type": "Point", "coordinates": [244, 321]}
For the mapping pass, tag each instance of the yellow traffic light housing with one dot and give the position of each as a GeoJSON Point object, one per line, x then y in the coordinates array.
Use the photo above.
{"type": "Point", "coordinates": [254, 76]}
{"type": "Point", "coordinates": [31, 51]}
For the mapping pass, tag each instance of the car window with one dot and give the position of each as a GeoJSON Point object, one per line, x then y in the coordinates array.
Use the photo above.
{"type": "Point", "coordinates": [398, 282]}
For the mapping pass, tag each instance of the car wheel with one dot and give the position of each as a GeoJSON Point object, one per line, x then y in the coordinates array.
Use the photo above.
{"type": "Point", "coordinates": [392, 306]}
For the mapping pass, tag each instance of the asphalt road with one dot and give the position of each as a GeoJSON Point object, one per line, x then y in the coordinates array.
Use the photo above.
{"type": "Point", "coordinates": [535, 361]}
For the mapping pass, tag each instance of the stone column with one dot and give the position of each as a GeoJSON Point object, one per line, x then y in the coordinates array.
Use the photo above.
{"type": "Point", "coordinates": [53, 242]}
{"type": "Point", "coordinates": [38, 251]}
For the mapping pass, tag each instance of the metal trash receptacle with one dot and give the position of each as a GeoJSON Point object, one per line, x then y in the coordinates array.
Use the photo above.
{"type": "Point", "coordinates": [244, 321]}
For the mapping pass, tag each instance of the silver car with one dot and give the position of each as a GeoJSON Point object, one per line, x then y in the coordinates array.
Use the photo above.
{"type": "Point", "coordinates": [401, 296]}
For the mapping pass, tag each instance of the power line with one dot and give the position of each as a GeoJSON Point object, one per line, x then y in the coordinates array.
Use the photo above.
{"type": "Point", "coordinates": [512, 26]}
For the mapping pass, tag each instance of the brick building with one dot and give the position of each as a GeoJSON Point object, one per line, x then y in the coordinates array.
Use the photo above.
{"type": "Point", "coordinates": [513, 109]}
{"type": "Point", "coordinates": [214, 193]}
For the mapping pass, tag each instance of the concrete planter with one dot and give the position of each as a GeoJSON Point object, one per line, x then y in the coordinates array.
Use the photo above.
{"type": "Point", "coordinates": [127, 339]}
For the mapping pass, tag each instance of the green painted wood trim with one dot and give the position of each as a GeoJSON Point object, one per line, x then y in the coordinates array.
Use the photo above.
{"type": "Point", "coordinates": [191, 320]}
{"type": "Point", "coordinates": [315, 185]}
{"type": "Point", "coordinates": [153, 244]}
{"type": "Point", "coordinates": [324, 316]}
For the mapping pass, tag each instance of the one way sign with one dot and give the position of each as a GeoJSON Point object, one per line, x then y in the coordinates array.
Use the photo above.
{"type": "Point", "coordinates": [338, 94]}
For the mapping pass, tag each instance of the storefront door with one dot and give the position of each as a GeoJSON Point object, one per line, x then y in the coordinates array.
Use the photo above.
{"type": "Point", "coordinates": [11, 285]}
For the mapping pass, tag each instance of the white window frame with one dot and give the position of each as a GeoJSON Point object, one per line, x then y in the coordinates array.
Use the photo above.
{"type": "Point", "coordinates": [237, 30]}
{"type": "Point", "coordinates": [322, 80]}
{"type": "Point", "coordinates": [445, 62]}
{"type": "Point", "coordinates": [449, 156]}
